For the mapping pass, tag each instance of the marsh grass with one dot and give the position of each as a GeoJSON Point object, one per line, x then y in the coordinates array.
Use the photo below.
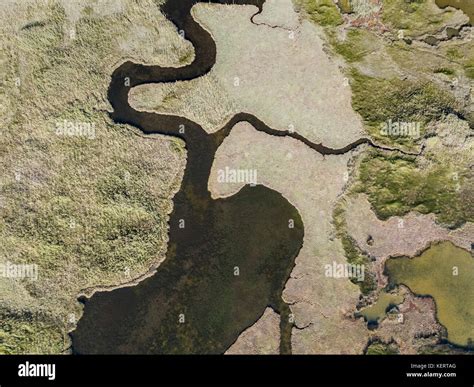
{"type": "Point", "coordinates": [88, 211]}
{"type": "Point", "coordinates": [322, 12]}
{"type": "Point", "coordinates": [396, 185]}
{"type": "Point", "coordinates": [379, 100]}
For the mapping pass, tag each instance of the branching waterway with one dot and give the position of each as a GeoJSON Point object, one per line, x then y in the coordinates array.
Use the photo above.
{"type": "Point", "coordinates": [227, 259]}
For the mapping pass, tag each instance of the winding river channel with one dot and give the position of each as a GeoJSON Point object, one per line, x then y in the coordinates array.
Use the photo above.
{"type": "Point", "coordinates": [227, 259]}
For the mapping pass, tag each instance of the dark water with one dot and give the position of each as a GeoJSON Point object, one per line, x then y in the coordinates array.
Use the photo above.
{"type": "Point", "coordinates": [249, 231]}
{"type": "Point", "coordinates": [195, 303]}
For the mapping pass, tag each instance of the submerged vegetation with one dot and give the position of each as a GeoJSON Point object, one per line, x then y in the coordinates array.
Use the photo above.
{"type": "Point", "coordinates": [377, 311]}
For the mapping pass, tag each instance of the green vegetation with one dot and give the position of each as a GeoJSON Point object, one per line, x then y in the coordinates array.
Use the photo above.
{"type": "Point", "coordinates": [89, 210]}
{"type": "Point", "coordinates": [445, 71]}
{"type": "Point", "coordinates": [352, 252]}
{"type": "Point", "coordinates": [23, 334]}
{"type": "Point", "coordinates": [322, 12]}
{"type": "Point", "coordinates": [378, 348]}
{"type": "Point", "coordinates": [446, 273]}
{"type": "Point", "coordinates": [394, 83]}
{"type": "Point", "coordinates": [415, 17]}
{"type": "Point", "coordinates": [453, 53]}
{"type": "Point", "coordinates": [464, 55]}
{"type": "Point", "coordinates": [396, 185]}
{"type": "Point", "coordinates": [355, 46]}
{"type": "Point", "coordinates": [380, 100]}
{"type": "Point", "coordinates": [469, 68]}
{"type": "Point", "coordinates": [345, 6]}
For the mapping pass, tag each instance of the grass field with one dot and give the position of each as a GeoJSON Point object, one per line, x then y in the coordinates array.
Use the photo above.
{"type": "Point", "coordinates": [80, 197]}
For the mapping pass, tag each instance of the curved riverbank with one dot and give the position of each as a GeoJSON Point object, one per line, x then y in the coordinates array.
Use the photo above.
{"type": "Point", "coordinates": [227, 260]}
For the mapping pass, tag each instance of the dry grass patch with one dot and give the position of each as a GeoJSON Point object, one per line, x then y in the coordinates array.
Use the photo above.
{"type": "Point", "coordinates": [83, 199]}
